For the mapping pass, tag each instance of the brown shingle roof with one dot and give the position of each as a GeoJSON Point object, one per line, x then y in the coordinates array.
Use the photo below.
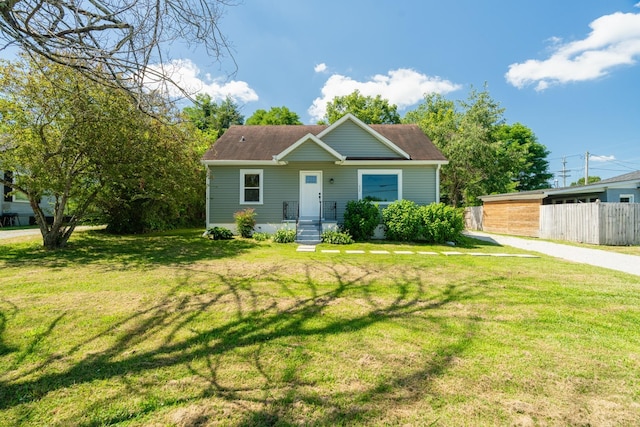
{"type": "Point", "coordinates": [263, 142]}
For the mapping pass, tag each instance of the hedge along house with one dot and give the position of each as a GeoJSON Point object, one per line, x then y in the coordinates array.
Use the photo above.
{"type": "Point", "coordinates": [305, 174]}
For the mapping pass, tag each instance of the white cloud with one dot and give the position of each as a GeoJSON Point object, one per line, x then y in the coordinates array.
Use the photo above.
{"type": "Point", "coordinates": [613, 41]}
{"type": "Point", "coordinates": [186, 75]}
{"type": "Point", "coordinates": [594, 158]}
{"type": "Point", "coordinates": [320, 68]}
{"type": "Point", "coordinates": [637, 4]}
{"type": "Point", "coordinates": [402, 87]}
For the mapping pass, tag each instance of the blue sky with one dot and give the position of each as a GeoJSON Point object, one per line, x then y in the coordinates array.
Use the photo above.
{"type": "Point", "coordinates": [566, 69]}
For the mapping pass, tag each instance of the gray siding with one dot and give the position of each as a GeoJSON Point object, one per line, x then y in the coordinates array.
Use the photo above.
{"type": "Point", "coordinates": [419, 184]}
{"type": "Point", "coordinates": [352, 141]}
{"type": "Point", "coordinates": [281, 183]}
{"type": "Point", "coordinates": [309, 151]}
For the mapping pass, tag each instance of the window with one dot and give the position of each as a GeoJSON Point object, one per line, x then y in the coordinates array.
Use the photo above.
{"type": "Point", "coordinates": [17, 196]}
{"type": "Point", "coordinates": [251, 186]}
{"type": "Point", "coordinates": [384, 186]}
{"type": "Point", "coordinates": [626, 198]}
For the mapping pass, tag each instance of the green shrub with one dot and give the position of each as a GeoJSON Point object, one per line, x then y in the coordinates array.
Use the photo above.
{"type": "Point", "coordinates": [436, 223]}
{"type": "Point", "coordinates": [261, 237]}
{"type": "Point", "coordinates": [402, 221]}
{"type": "Point", "coordinates": [219, 233]}
{"type": "Point", "coordinates": [361, 218]}
{"type": "Point", "coordinates": [284, 235]}
{"type": "Point", "coordinates": [337, 237]}
{"type": "Point", "coordinates": [441, 223]}
{"type": "Point", "coordinates": [245, 221]}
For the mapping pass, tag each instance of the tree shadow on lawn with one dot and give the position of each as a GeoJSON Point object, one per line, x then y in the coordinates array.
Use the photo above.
{"type": "Point", "coordinates": [464, 242]}
{"type": "Point", "coordinates": [4, 348]}
{"type": "Point", "coordinates": [182, 247]}
{"type": "Point", "coordinates": [177, 332]}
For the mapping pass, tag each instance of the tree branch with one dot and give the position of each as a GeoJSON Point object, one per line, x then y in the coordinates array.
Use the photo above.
{"type": "Point", "coordinates": [114, 42]}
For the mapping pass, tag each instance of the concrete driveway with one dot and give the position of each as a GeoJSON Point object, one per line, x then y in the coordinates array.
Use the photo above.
{"type": "Point", "coordinates": [8, 233]}
{"type": "Point", "coordinates": [597, 257]}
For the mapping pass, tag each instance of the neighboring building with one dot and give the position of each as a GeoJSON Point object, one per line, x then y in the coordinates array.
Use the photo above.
{"type": "Point", "coordinates": [16, 209]}
{"type": "Point", "coordinates": [519, 213]}
{"type": "Point", "coordinates": [308, 173]}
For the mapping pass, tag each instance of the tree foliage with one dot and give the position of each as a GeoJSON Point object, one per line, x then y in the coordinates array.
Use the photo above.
{"type": "Point", "coordinates": [486, 156]}
{"type": "Point", "coordinates": [366, 108]}
{"type": "Point", "coordinates": [592, 180]}
{"type": "Point", "coordinates": [113, 42]}
{"type": "Point", "coordinates": [69, 139]}
{"type": "Point", "coordinates": [162, 185]}
{"type": "Point", "coordinates": [275, 116]}
{"type": "Point", "coordinates": [528, 166]}
{"type": "Point", "coordinates": [211, 118]}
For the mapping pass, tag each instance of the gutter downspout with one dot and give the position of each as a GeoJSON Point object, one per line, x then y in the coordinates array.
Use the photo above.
{"type": "Point", "coordinates": [208, 198]}
{"type": "Point", "coordinates": [438, 183]}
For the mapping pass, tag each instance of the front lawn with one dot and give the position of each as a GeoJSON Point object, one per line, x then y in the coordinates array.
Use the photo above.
{"type": "Point", "coordinates": [174, 329]}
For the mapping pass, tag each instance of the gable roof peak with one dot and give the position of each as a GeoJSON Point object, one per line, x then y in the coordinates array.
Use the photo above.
{"type": "Point", "coordinates": [367, 128]}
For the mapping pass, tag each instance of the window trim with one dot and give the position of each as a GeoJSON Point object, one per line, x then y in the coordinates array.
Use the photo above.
{"type": "Point", "coordinates": [260, 173]}
{"type": "Point", "coordinates": [17, 196]}
{"type": "Point", "coordinates": [628, 196]}
{"type": "Point", "coordinates": [397, 172]}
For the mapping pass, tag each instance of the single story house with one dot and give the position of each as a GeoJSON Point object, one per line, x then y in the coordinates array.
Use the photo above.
{"type": "Point", "coordinates": [308, 173]}
{"type": "Point", "coordinates": [519, 213]}
{"type": "Point", "coordinates": [15, 208]}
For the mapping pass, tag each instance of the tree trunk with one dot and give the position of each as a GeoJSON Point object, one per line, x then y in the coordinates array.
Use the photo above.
{"type": "Point", "coordinates": [54, 239]}
{"type": "Point", "coordinates": [55, 235]}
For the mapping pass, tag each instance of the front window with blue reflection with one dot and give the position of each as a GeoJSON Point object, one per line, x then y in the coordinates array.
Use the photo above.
{"type": "Point", "coordinates": [380, 187]}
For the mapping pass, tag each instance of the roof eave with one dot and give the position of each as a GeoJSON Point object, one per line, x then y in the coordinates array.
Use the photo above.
{"type": "Point", "coordinates": [348, 162]}
{"type": "Point", "coordinates": [242, 162]}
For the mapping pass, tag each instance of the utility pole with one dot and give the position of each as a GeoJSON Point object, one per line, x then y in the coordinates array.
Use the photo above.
{"type": "Point", "coordinates": [564, 173]}
{"type": "Point", "coordinates": [586, 168]}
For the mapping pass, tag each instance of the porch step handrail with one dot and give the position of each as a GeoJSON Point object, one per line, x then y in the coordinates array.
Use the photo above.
{"type": "Point", "coordinates": [291, 210]}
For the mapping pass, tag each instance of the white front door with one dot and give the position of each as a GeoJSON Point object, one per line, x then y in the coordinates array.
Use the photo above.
{"type": "Point", "coordinates": [310, 194]}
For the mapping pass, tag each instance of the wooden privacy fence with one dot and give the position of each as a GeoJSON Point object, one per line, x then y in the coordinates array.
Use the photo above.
{"type": "Point", "coordinates": [615, 224]}
{"type": "Point", "coordinates": [473, 218]}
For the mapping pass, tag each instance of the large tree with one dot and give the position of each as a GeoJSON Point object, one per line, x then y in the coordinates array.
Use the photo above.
{"type": "Point", "coordinates": [527, 161]}
{"type": "Point", "coordinates": [113, 42]}
{"type": "Point", "coordinates": [275, 116]}
{"type": "Point", "coordinates": [366, 108]}
{"type": "Point", "coordinates": [463, 132]}
{"type": "Point", "coordinates": [162, 185]}
{"type": "Point", "coordinates": [69, 139]}
{"type": "Point", "coordinates": [211, 117]}
{"type": "Point", "coordinates": [486, 156]}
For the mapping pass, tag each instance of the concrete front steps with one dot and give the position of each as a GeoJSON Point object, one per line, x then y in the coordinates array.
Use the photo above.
{"type": "Point", "coordinates": [309, 232]}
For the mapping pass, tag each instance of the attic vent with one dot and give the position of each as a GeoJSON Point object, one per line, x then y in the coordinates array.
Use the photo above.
{"type": "Point", "coordinates": [242, 138]}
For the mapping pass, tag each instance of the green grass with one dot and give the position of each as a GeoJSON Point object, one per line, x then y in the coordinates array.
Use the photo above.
{"type": "Point", "coordinates": [174, 329]}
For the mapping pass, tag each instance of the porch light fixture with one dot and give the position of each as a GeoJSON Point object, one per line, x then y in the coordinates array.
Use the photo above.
{"type": "Point", "coordinates": [330, 180]}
